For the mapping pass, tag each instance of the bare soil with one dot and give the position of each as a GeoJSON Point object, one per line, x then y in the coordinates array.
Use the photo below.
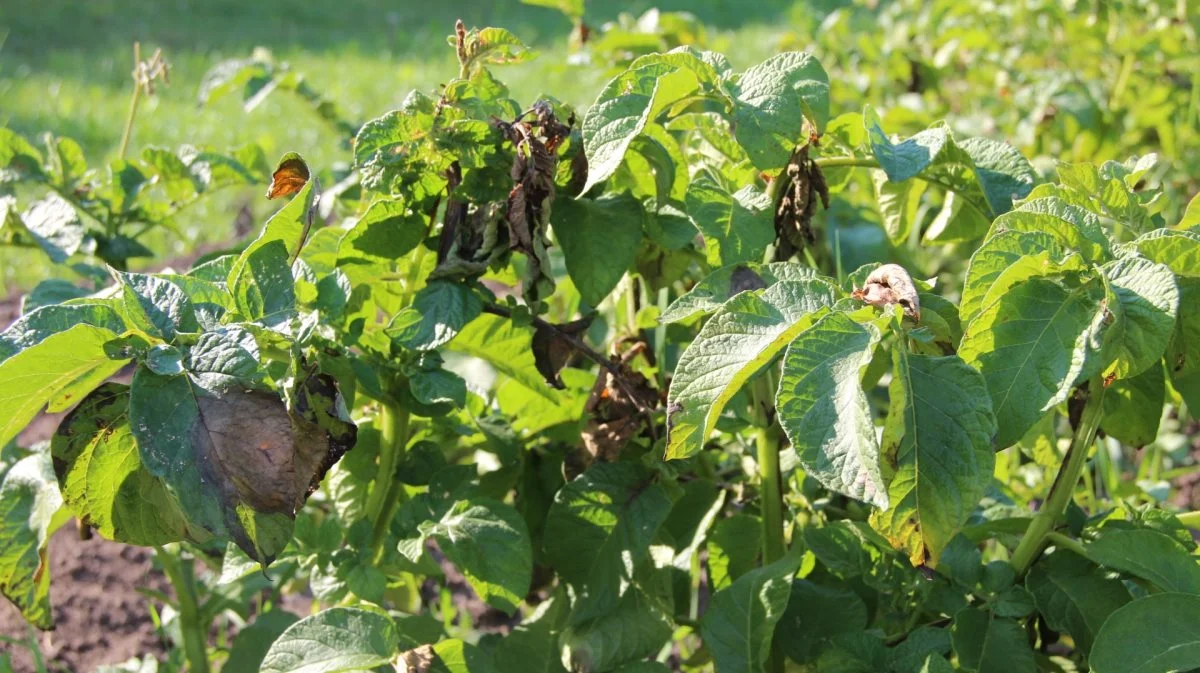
{"type": "Point", "coordinates": [100, 616]}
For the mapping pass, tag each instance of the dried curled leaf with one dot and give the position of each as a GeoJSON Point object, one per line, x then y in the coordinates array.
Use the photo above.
{"type": "Point", "coordinates": [552, 349]}
{"type": "Point", "coordinates": [800, 185]}
{"type": "Point", "coordinates": [289, 177]}
{"type": "Point", "coordinates": [890, 284]}
{"type": "Point", "coordinates": [616, 412]}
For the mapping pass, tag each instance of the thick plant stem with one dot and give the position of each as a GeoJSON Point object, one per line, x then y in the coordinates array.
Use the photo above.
{"type": "Point", "coordinates": [393, 440]}
{"type": "Point", "coordinates": [767, 442]}
{"type": "Point", "coordinates": [1064, 482]}
{"type": "Point", "coordinates": [182, 576]}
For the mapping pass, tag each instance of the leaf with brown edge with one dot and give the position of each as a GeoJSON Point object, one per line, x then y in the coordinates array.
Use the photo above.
{"type": "Point", "coordinates": [240, 462]}
{"type": "Point", "coordinates": [289, 177]}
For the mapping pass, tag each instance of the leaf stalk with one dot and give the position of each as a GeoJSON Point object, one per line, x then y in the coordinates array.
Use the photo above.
{"type": "Point", "coordinates": [193, 630]}
{"type": "Point", "coordinates": [1040, 527]}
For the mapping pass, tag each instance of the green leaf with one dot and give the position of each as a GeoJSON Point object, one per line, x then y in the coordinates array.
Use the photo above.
{"type": "Point", "coordinates": [33, 327]}
{"type": "Point", "coordinates": [1032, 345]}
{"type": "Point", "coordinates": [289, 227]}
{"type": "Point", "coordinates": [496, 46]}
{"type": "Point", "coordinates": [29, 506]}
{"type": "Point", "coordinates": [1155, 634]}
{"type": "Point", "coordinates": [54, 226]}
{"type": "Point", "coordinates": [1133, 407]}
{"type": "Point", "coordinates": [824, 411]}
{"type": "Point", "coordinates": [599, 240]}
{"type": "Point", "coordinates": [772, 101]}
{"type": "Point", "coordinates": [937, 452]}
{"type": "Point", "coordinates": [50, 292]}
{"type": "Point", "coordinates": [739, 625]}
{"type": "Point", "coordinates": [438, 312]}
{"type": "Point", "coordinates": [488, 542]}
{"type": "Point", "coordinates": [722, 284]}
{"type": "Point", "coordinates": [634, 98]}
{"type": "Point", "coordinates": [333, 641]}
{"type": "Point", "coordinates": [18, 158]}
{"type": "Point", "coordinates": [814, 614]}
{"type": "Point", "coordinates": [739, 340]}
{"type": "Point", "coordinates": [251, 643]}
{"type": "Point", "coordinates": [102, 477]}
{"type": "Point", "coordinates": [157, 306]}
{"type": "Point", "coordinates": [913, 655]}
{"type": "Point", "coordinates": [1150, 555]}
{"type": "Point", "coordinates": [507, 348]}
{"type": "Point", "coordinates": [262, 286]}
{"type": "Point", "coordinates": [1074, 595]}
{"type": "Point", "coordinates": [986, 643]}
{"type": "Point", "coordinates": [733, 547]}
{"type": "Point", "coordinates": [737, 227]}
{"type": "Point", "coordinates": [572, 8]}
{"type": "Point", "coordinates": [58, 371]}
{"type": "Point", "coordinates": [636, 628]}
{"type": "Point", "coordinates": [987, 173]}
{"type": "Point", "coordinates": [1191, 214]}
{"type": "Point", "coordinates": [224, 358]}
{"type": "Point", "coordinates": [1149, 301]}
{"type": "Point", "coordinates": [389, 230]}
{"type": "Point", "coordinates": [599, 530]}
{"type": "Point", "coordinates": [898, 204]}
{"type": "Point", "coordinates": [1008, 258]}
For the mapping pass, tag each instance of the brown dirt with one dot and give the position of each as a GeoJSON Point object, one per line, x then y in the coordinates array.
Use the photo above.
{"type": "Point", "coordinates": [100, 617]}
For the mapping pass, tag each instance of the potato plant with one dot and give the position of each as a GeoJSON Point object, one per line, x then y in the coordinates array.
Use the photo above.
{"type": "Point", "coordinates": [608, 369]}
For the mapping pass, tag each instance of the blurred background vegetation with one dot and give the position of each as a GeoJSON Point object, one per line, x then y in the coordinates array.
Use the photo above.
{"type": "Point", "coordinates": [1083, 81]}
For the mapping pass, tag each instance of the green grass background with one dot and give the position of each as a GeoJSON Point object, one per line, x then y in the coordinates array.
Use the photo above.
{"type": "Point", "coordinates": [65, 64]}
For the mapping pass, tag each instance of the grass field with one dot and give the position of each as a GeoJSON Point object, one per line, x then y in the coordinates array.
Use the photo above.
{"type": "Point", "coordinates": [64, 67]}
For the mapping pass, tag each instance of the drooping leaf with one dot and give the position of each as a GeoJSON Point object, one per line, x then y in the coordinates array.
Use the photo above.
{"type": "Point", "coordinates": [55, 226]}
{"type": "Point", "coordinates": [290, 176]}
{"type": "Point", "coordinates": [824, 411]}
{"type": "Point", "coordinates": [1074, 595]}
{"type": "Point", "coordinates": [1154, 634]}
{"type": "Point", "coordinates": [937, 452]}
{"type": "Point", "coordinates": [773, 100]}
{"type": "Point", "coordinates": [1032, 346]}
{"type": "Point", "coordinates": [599, 240]}
{"type": "Point", "coordinates": [986, 643]}
{"type": "Point", "coordinates": [336, 640]}
{"type": "Point", "coordinates": [488, 541]}
{"type": "Point", "coordinates": [739, 340]}
{"type": "Point", "coordinates": [29, 514]}
{"type": "Point", "coordinates": [438, 311]}
{"type": "Point", "coordinates": [102, 477]}
{"type": "Point", "coordinates": [737, 227]}
{"type": "Point", "coordinates": [636, 628]}
{"type": "Point", "coordinates": [739, 626]}
{"type": "Point", "coordinates": [1148, 302]}
{"type": "Point", "coordinates": [599, 530]}
{"type": "Point", "coordinates": [722, 284]}
{"type": "Point", "coordinates": [58, 371]}
{"type": "Point", "coordinates": [814, 614]}
{"type": "Point", "coordinates": [733, 546]}
{"type": "Point", "coordinates": [1150, 555]}
{"type": "Point", "coordinates": [387, 231]}
{"type": "Point", "coordinates": [634, 98]}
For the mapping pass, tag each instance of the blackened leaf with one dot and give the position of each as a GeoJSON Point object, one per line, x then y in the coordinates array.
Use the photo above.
{"type": "Point", "coordinates": [238, 462]}
{"type": "Point", "coordinates": [551, 350]}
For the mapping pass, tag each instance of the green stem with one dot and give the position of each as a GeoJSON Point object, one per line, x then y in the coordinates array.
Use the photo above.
{"type": "Point", "coordinates": [393, 439]}
{"type": "Point", "coordinates": [194, 633]}
{"type": "Point", "coordinates": [1190, 519]}
{"type": "Point", "coordinates": [846, 162]}
{"type": "Point", "coordinates": [1070, 543]}
{"type": "Point", "coordinates": [767, 441]}
{"type": "Point", "coordinates": [133, 102]}
{"type": "Point", "coordinates": [660, 338]}
{"type": "Point", "coordinates": [1064, 482]}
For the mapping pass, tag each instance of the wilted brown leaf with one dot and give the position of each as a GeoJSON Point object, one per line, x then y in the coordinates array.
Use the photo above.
{"type": "Point", "coordinates": [289, 177]}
